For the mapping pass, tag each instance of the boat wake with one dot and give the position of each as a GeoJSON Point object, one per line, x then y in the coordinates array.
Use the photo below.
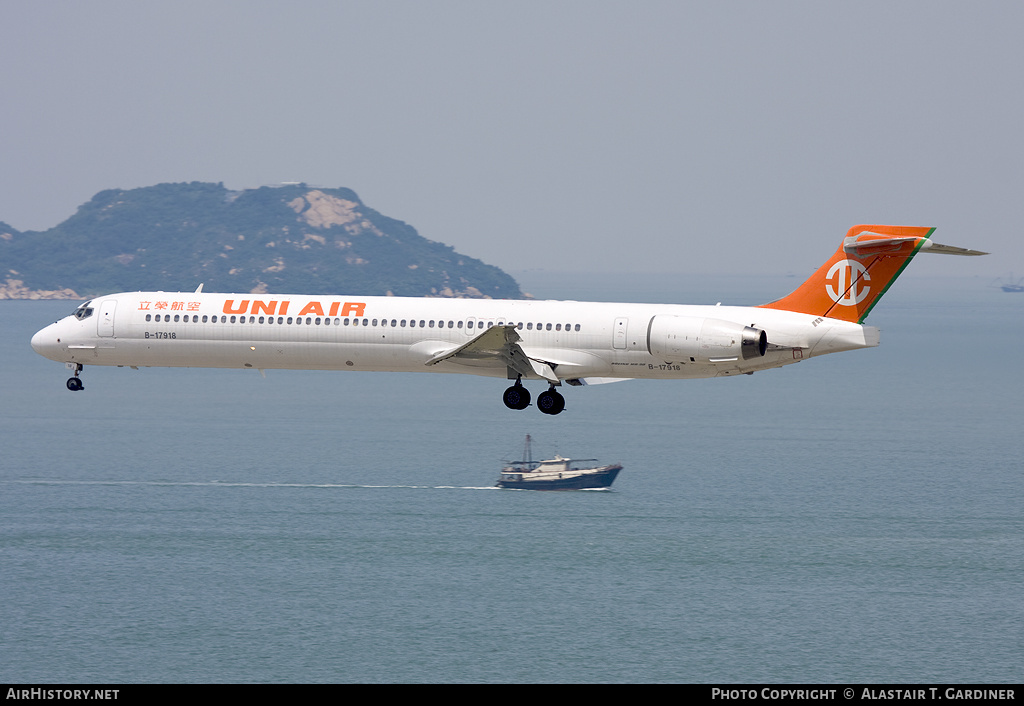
{"type": "Point", "coordinates": [233, 484]}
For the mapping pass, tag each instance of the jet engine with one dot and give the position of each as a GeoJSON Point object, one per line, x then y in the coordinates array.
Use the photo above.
{"type": "Point", "coordinates": [693, 339]}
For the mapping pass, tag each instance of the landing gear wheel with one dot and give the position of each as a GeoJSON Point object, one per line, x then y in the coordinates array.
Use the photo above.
{"type": "Point", "coordinates": [516, 397]}
{"type": "Point", "coordinates": [550, 402]}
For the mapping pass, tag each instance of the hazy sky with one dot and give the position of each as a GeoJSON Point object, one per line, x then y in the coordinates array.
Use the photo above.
{"type": "Point", "coordinates": [644, 136]}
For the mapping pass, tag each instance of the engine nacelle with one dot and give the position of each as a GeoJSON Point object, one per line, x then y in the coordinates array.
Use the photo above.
{"type": "Point", "coordinates": [689, 338]}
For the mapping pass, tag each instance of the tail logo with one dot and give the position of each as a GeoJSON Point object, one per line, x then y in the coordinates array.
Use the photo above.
{"type": "Point", "coordinates": [838, 280]}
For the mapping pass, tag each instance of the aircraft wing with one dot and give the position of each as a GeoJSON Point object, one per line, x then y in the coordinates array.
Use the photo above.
{"type": "Point", "coordinates": [499, 343]}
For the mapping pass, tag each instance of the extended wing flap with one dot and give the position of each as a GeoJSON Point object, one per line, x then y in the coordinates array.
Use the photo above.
{"type": "Point", "coordinates": [499, 343]}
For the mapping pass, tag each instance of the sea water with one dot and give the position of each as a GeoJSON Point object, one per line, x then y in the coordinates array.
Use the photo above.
{"type": "Point", "coordinates": [853, 518]}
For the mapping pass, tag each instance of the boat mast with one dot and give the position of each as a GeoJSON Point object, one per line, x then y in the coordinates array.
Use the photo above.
{"type": "Point", "coordinates": [527, 451]}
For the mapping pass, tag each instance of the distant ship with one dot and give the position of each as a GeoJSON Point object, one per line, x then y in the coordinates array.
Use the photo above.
{"type": "Point", "coordinates": [557, 473]}
{"type": "Point", "coordinates": [1010, 286]}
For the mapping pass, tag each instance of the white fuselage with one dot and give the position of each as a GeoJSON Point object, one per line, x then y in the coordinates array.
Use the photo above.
{"type": "Point", "coordinates": [577, 340]}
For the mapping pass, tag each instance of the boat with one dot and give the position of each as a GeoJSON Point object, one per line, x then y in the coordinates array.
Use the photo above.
{"type": "Point", "coordinates": [557, 473]}
{"type": "Point", "coordinates": [1009, 285]}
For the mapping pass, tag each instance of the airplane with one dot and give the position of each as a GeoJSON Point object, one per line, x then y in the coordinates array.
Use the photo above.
{"type": "Point", "coordinates": [575, 343]}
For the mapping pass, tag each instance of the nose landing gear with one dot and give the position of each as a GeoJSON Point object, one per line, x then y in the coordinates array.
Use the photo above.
{"type": "Point", "coordinates": [75, 383]}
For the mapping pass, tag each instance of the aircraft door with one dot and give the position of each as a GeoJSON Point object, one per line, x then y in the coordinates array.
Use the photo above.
{"type": "Point", "coordinates": [105, 322]}
{"type": "Point", "coordinates": [619, 333]}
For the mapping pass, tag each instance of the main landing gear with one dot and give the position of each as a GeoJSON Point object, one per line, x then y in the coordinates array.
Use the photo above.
{"type": "Point", "coordinates": [75, 383]}
{"type": "Point", "coordinates": [550, 402]}
{"type": "Point", "coordinates": [518, 397]}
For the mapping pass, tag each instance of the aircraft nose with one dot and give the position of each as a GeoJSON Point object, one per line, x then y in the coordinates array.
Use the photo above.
{"type": "Point", "coordinates": [46, 343]}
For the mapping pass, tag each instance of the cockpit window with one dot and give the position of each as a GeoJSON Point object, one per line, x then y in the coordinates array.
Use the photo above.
{"type": "Point", "coordinates": [84, 311]}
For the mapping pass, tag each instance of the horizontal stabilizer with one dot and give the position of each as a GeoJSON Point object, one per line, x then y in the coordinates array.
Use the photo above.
{"type": "Point", "coordinates": [938, 249]}
{"type": "Point", "coordinates": [866, 244]}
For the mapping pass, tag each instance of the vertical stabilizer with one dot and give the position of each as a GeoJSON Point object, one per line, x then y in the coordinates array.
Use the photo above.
{"type": "Point", "coordinates": [868, 261]}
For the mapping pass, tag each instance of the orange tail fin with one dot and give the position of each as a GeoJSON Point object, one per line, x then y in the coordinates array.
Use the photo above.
{"type": "Point", "coordinates": [866, 264]}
